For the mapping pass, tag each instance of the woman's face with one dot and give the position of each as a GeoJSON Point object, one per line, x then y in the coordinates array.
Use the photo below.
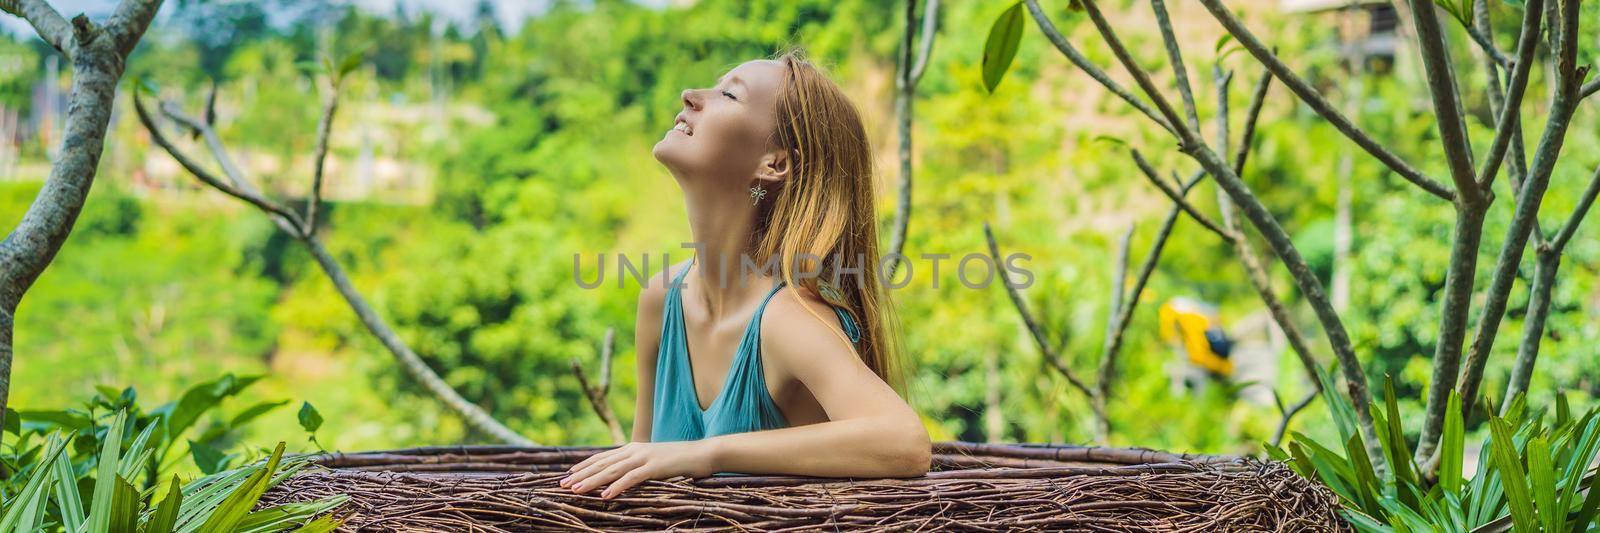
{"type": "Point", "coordinates": [723, 133]}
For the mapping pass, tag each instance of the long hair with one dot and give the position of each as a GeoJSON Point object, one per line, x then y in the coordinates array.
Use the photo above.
{"type": "Point", "coordinates": [822, 219]}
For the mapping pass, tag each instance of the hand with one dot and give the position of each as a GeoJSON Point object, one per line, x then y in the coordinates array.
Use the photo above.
{"type": "Point", "coordinates": [621, 468]}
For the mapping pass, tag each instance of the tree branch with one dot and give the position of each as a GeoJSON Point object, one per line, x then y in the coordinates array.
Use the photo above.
{"type": "Point", "coordinates": [1446, 104]}
{"type": "Point", "coordinates": [1559, 243]}
{"type": "Point", "coordinates": [1315, 100]}
{"type": "Point", "coordinates": [1178, 200]}
{"type": "Point", "coordinates": [1111, 350]}
{"type": "Point", "coordinates": [1289, 412]}
{"type": "Point", "coordinates": [474, 417]}
{"type": "Point", "coordinates": [908, 74]}
{"type": "Point", "coordinates": [1255, 270]}
{"type": "Point", "coordinates": [1037, 332]}
{"type": "Point", "coordinates": [1525, 216]}
{"type": "Point", "coordinates": [1511, 107]}
{"type": "Point", "coordinates": [597, 394]}
{"type": "Point", "coordinates": [1488, 47]}
{"type": "Point", "coordinates": [1539, 295]}
{"type": "Point", "coordinates": [1088, 67]}
{"type": "Point", "coordinates": [285, 218]}
{"type": "Point", "coordinates": [128, 23]}
{"type": "Point", "coordinates": [1175, 56]}
{"type": "Point", "coordinates": [330, 105]}
{"type": "Point", "coordinates": [49, 24]}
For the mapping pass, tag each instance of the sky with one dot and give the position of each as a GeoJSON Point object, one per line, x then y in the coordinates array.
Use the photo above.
{"type": "Point", "coordinates": [510, 12]}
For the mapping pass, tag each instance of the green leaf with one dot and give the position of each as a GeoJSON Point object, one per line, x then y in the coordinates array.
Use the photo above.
{"type": "Point", "coordinates": [233, 510]}
{"type": "Point", "coordinates": [1503, 456]}
{"type": "Point", "coordinates": [1542, 479]}
{"type": "Point", "coordinates": [13, 422]}
{"type": "Point", "coordinates": [166, 512]}
{"type": "Point", "coordinates": [70, 419]}
{"type": "Point", "coordinates": [105, 485]}
{"type": "Point", "coordinates": [1001, 47]}
{"type": "Point", "coordinates": [69, 502]}
{"type": "Point", "coordinates": [310, 419]}
{"type": "Point", "coordinates": [1396, 448]}
{"type": "Point", "coordinates": [282, 517]}
{"type": "Point", "coordinates": [124, 507]}
{"type": "Point", "coordinates": [1591, 505]}
{"type": "Point", "coordinates": [350, 62]}
{"type": "Point", "coordinates": [1452, 446]}
{"type": "Point", "coordinates": [208, 458]}
{"type": "Point", "coordinates": [255, 411]}
{"type": "Point", "coordinates": [326, 524]}
{"type": "Point", "coordinates": [25, 510]}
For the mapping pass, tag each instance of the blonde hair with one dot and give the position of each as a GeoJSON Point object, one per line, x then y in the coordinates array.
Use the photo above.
{"type": "Point", "coordinates": [824, 214]}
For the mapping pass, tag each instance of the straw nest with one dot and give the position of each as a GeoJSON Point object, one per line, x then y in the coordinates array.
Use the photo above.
{"type": "Point", "coordinates": [978, 487]}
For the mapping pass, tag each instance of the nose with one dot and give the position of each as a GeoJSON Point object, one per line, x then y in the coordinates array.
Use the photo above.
{"type": "Point", "coordinates": [691, 99]}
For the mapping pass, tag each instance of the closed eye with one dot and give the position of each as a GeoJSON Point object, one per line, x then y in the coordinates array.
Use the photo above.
{"type": "Point", "coordinates": [730, 96]}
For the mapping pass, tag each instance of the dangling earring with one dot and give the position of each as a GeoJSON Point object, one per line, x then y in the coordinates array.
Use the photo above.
{"type": "Point", "coordinates": [758, 192]}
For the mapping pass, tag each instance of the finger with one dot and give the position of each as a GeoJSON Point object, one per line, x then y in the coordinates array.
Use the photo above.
{"type": "Point", "coordinates": [595, 466]}
{"type": "Point", "coordinates": [605, 477]}
{"type": "Point", "coordinates": [591, 459]}
{"type": "Point", "coordinates": [627, 481]}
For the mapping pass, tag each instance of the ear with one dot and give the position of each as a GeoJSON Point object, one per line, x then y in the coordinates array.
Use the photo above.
{"type": "Point", "coordinates": [776, 167]}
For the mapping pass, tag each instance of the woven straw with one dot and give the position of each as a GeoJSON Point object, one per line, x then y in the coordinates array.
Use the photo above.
{"type": "Point", "coordinates": [974, 487]}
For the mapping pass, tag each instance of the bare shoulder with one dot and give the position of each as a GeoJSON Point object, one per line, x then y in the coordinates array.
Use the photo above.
{"type": "Point", "coordinates": [800, 323]}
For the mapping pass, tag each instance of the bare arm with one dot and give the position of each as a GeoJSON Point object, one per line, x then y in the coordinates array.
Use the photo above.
{"type": "Point", "coordinates": [870, 432]}
{"type": "Point", "coordinates": [646, 345]}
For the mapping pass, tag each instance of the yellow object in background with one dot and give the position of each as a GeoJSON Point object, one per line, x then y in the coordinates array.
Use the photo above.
{"type": "Point", "coordinates": [1185, 322]}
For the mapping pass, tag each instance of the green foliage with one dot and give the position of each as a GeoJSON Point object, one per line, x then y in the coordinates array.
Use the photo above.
{"type": "Point", "coordinates": [219, 502]}
{"type": "Point", "coordinates": [1535, 477]}
{"type": "Point", "coordinates": [1004, 37]}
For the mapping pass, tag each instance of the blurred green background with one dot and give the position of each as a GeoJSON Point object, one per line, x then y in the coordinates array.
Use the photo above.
{"type": "Point", "coordinates": [475, 155]}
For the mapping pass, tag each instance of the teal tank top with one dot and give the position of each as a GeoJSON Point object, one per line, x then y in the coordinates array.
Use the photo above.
{"type": "Point", "coordinates": [743, 404]}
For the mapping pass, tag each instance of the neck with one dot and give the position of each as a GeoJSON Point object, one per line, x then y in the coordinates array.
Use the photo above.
{"type": "Point", "coordinates": [722, 222]}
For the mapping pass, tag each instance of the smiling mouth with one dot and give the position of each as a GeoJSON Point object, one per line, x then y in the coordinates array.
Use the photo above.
{"type": "Point", "coordinates": [683, 127]}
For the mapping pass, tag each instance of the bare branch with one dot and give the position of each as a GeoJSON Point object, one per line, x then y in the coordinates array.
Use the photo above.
{"type": "Point", "coordinates": [1508, 125]}
{"type": "Point", "coordinates": [1034, 329]}
{"type": "Point", "coordinates": [214, 144]}
{"type": "Point", "coordinates": [1140, 77]}
{"type": "Point", "coordinates": [128, 23]}
{"type": "Point", "coordinates": [1178, 200]}
{"type": "Point", "coordinates": [237, 186]}
{"type": "Point", "coordinates": [1255, 270]}
{"type": "Point", "coordinates": [1525, 216]}
{"type": "Point", "coordinates": [1315, 100]}
{"type": "Point", "coordinates": [50, 25]}
{"type": "Point", "coordinates": [1589, 88]}
{"type": "Point", "coordinates": [1119, 283]}
{"type": "Point", "coordinates": [597, 394]}
{"type": "Point", "coordinates": [285, 218]}
{"type": "Point", "coordinates": [1288, 415]}
{"type": "Point", "coordinates": [1488, 47]}
{"type": "Point", "coordinates": [930, 24]}
{"type": "Point", "coordinates": [1175, 56]}
{"type": "Point", "coordinates": [1544, 280]}
{"type": "Point", "coordinates": [330, 105]}
{"type": "Point", "coordinates": [1559, 243]}
{"type": "Point", "coordinates": [1257, 100]}
{"type": "Point", "coordinates": [474, 416]}
{"type": "Point", "coordinates": [1111, 350]}
{"type": "Point", "coordinates": [908, 74]}
{"type": "Point", "coordinates": [1048, 351]}
{"type": "Point", "coordinates": [1446, 108]}
{"type": "Point", "coordinates": [1088, 67]}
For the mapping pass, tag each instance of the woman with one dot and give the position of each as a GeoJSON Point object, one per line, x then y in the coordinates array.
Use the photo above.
{"type": "Point", "coordinates": [747, 369]}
